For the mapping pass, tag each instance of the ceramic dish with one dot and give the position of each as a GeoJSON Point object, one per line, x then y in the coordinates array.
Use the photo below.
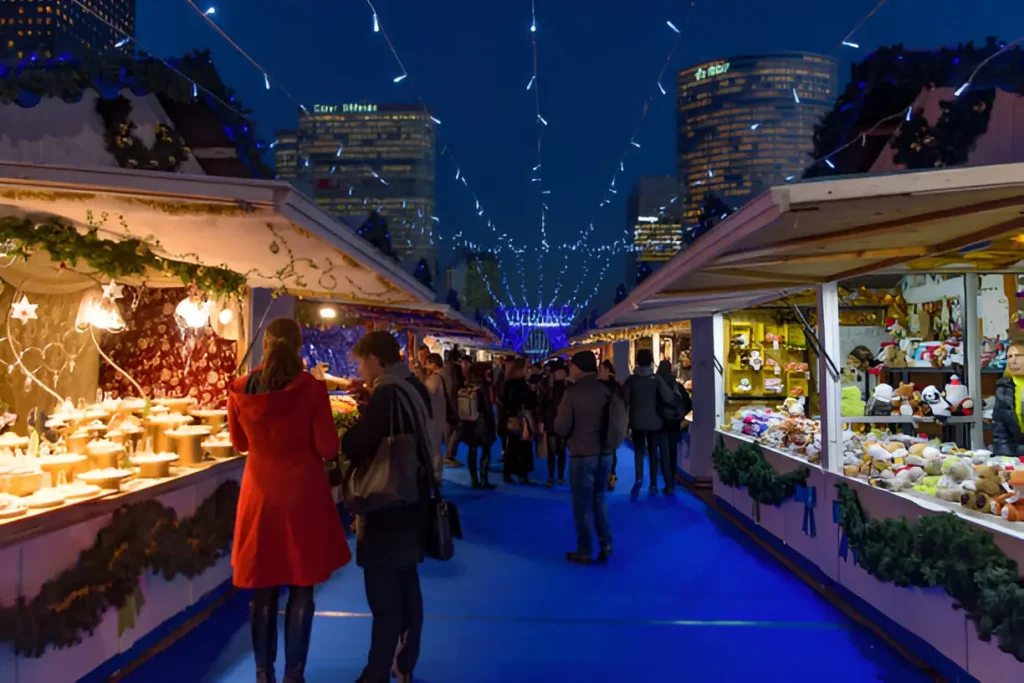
{"type": "Point", "coordinates": [45, 498]}
{"type": "Point", "coordinates": [78, 490]}
{"type": "Point", "coordinates": [108, 478]}
{"type": "Point", "coordinates": [69, 464]}
{"type": "Point", "coordinates": [153, 465]}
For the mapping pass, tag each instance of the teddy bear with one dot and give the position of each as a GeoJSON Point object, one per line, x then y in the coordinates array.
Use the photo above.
{"type": "Point", "coordinates": [987, 487]}
{"type": "Point", "coordinates": [903, 402]}
{"type": "Point", "coordinates": [955, 472]}
{"type": "Point", "coordinates": [892, 356]}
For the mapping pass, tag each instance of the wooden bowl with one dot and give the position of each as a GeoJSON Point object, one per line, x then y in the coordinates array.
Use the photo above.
{"type": "Point", "coordinates": [154, 466]}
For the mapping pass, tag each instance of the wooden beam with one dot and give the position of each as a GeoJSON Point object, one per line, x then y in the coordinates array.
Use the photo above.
{"type": "Point", "coordinates": [989, 232]}
{"type": "Point", "coordinates": [759, 277]}
{"type": "Point", "coordinates": [739, 290]}
{"type": "Point", "coordinates": [873, 230]}
{"type": "Point", "coordinates": [900, 252]}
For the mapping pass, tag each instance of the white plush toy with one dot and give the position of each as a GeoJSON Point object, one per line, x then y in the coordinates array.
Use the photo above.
{"type": "Point", "coordinates": [936, 403]}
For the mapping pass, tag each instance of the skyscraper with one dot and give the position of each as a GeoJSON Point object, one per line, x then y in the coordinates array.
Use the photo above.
{"type": "Point", "coordinates": [49, 28]}
{"type": "Point", "coordinates": [654, 218]}
{"type": "Point", "coordinates": [747, 123]}
{"type": "Point", "coordinates": [367, 157]}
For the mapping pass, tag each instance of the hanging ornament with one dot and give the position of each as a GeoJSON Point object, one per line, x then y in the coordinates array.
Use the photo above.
{"type": "Point", "coordinates": [24, 311]}
{"type": "Point", "coordinates": [113, 291]}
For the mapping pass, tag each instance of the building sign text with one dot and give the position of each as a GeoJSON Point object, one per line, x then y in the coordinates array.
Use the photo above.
{"type": "Point", "coordinates": [344, 109]}
{"type": "Point", "coordinates": [713, 70]}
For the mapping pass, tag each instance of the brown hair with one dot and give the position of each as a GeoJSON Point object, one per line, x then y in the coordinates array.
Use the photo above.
{"type": "Point", "coordinates": [380, 344]}
{"type": "Point", "coordinates": [435, 359]}
{"type": "Point", "coordinates": [282, 361]}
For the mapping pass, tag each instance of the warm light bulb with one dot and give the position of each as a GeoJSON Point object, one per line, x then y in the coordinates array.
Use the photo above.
{"type": "Point", "coordinates": [98, 312]}
{"type": "Point", "coordinates": [195, 313]}
{"type": "Point", "coordinates": [226, 316]}
{"type": "Point", "coordinates": [328, 313]}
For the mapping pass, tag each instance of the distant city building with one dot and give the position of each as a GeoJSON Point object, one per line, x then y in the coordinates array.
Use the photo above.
{"type": "Point", "coordinates": [747, 123]}
{"type": "Point", "coordinates": [654, 216]}
{"type": "Point", "coordinates": [364, 157]}
{"type": "Point", "coordinates": [49, 28]}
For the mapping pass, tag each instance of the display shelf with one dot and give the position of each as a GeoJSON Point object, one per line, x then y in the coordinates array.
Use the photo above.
{"type": "Point", "coordinates": [38, 522]}
{"type": "Point", "coordinates": [751, 440]}
{"type": "Point", "coordinates": [905, 419]}
{"type": "Point", "coordinates": [943, 371]}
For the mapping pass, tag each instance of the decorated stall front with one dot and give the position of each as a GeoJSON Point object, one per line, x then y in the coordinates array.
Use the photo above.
{"type": "Point", "coordinates": [127, 307]}
{"type": "Point", "coordinates": [666, 341]}
{"type": "Point", "coordinates": [890, 467]}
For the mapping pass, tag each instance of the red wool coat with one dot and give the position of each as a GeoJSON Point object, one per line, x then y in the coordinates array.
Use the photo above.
{"type": "Point", "coordinates": [287, 530]}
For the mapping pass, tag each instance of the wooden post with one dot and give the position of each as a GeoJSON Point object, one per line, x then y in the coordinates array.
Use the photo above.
{"type": "Point", "coordinates": [972, 358]}
{"type": "Point", "coordinates": [829, 388]}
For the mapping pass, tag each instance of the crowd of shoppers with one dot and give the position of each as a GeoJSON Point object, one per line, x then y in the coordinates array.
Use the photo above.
{"type": "Point", "coordinates": [288, 533]}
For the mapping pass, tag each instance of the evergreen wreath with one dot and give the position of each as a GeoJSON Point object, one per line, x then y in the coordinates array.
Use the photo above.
{"type": "Point", "coordinates": [130, 257]}
{"type": "Point", "coordinates": [168, 152]}
{"type": "Point", "coordinates": [746, 467]}
{"type": "Point", "coordinates": [143, 536]}
{"type": "Point", "coordinates": [942, 550]}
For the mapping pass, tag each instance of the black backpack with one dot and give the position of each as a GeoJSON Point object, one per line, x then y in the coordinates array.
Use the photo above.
{"type": "Point", "coordinates": [674, 412]}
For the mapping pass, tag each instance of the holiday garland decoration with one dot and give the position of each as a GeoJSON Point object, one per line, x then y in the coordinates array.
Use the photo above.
{"type": "Point", "coordinates": [190, 80]}
{"type": "Point", "coordinates": [115, 259]}
{"type": "Point", "coordinates": [143, 536]}
{"type": "Point", "coordinates": [168, 152]}
{"type": "Point", "coordinates": [942, 550]}
{"type": "Point", "coordinates": [746, 467]}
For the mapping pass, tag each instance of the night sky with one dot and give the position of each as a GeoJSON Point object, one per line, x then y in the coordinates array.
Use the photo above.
{"type": "Point", "coordinates": [471, 62]}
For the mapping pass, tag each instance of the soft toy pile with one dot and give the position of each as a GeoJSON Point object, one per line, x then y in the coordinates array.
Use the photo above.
{"type": "Point", "coordinates": [977, 480]}
{"type": "Point", "coordinates": [784, 428]}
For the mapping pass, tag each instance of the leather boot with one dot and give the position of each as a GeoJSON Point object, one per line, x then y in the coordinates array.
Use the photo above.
{"type": "Point", "coordinates": [473, 473]}
{"type": "Point", "coordinates": [485, 473]}
{"type": "Point", "coordinates": [263, 620]}
{"type": "Point", "coordinates": [298, 626]}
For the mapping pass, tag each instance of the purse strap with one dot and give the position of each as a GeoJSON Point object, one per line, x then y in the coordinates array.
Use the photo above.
{"type": "Point", "coordinates": [418, 413]}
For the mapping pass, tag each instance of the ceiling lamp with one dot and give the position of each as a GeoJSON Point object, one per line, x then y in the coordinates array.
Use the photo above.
{"type": "Point", "coordinates": [194, 312]}
{"type": "Point", "coordinates": [98, 312]}
{"type": "Point", "coordinates": [328, 313]}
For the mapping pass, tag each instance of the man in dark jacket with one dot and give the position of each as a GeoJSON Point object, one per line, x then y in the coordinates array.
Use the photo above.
{"type": "Point", "coordinates": [672, 430]}
{"type": "Point", "coordinates": [583, 417]}
{"type": "Point", "coordinates": [550, 400]}
{"type": "Point", "coordinates": [389, 543]}
{"type": "Point", "coordinates": [1008, 411]}
{"type": "Point", "coordinates": [643, 393]}
{"type": "Point", "coordinates": [453, 381]}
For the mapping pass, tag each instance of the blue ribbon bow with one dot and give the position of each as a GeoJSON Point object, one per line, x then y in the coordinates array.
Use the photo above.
{"type": "Point", "coordinates": [808, 496]}
{"type": "Point", "coordinates": [844, 542]}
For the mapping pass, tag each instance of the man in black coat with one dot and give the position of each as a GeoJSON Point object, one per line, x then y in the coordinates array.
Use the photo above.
{"type": "Point", "coordinates": [390, 542]}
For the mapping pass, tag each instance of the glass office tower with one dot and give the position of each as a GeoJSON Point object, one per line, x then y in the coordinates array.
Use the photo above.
{"type": "Point", "coordinates": [50, 28]}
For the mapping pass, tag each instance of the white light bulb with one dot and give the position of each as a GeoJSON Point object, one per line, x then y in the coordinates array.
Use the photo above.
{"type": "Point", "coordinates": [226, 316]}
{"type": "Point", "coordinates": [210, 12]}
{"type": "Point", "coordinates": [328, 313]}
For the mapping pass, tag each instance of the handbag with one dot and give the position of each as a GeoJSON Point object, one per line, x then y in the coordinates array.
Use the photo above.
{"type": "Point", "coordinates": [443, 524]}
{"type": "Point", "coordinates": [390, 479]}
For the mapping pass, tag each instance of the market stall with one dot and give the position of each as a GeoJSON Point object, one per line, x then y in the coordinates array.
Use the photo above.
{"type": "Point", "coordinates": [902, 291]}
{"type": "Point", "coordinates": [128, 306]}
{"type": "Point", "coordinates": [666, 341]}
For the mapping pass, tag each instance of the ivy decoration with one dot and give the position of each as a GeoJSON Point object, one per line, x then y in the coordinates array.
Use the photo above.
{"type": "Point", "coordinates": [115, 259]}
{"type": "Point", "coordinates": [143, 536]}
{"type": "Point", "coordinates": [747, 468]}
{"type": "Point", "coordinates": [167, 153]}
{"type": "Point", "coordinates": [963, 121]}
{"type": "Point", "coordinates": [942, 550]}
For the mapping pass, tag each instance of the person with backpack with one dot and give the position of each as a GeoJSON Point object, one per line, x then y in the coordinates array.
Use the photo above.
{"type": "Point", "coordinates": [672, 415]}
{"type": "Point", "coordinates": [550, 399]}
{"type": "Point", "coordinates": [479, 431]}
{"type": "Point", "coordinates": [644, 393]}
{"type": "Point", "coordinates": [593, 420]}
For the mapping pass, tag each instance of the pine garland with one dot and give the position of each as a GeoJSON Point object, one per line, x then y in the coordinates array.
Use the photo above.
{"type": "Point", "coordinates": [746, 467]}
{"type": "Point", "coordinates": [144, 536]}
{"type": "Point", "coordinates": [130, 257]}
{"type": "Point", "coordinates": [942, 550]}
{"type": "Point", "coordinates": [168, 152]}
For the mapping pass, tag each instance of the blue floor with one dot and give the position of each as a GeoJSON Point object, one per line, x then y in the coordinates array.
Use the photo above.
{"type": "Point", "coordinates": [684, 596]}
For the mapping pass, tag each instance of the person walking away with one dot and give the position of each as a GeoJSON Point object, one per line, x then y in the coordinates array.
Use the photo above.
{"type": "Point", "coordinates": [606, 375]}
{"type": "Point", "coordinates": [287, 528]}
{"type": "Point", "coordinates": [672, 414]}
{"type": "Point", "coordinates": [505, 368]}
{"type": "Point", "coordinates": [550, 400]}
{"type": "Point", "coordinates": [520, 402]}
{"type": "Point", "coordinates": [642, 393]}
{"type": "Point", "coordinates": [454, 380]}
{"type": "Point", "coordinates": [436, 387]}
{"type": "Point", "coordinates": [593, 420]}
{"type": "Point", "coordinates": [390, 542]}
{"type": "Point", "coordinates": [479, 430]}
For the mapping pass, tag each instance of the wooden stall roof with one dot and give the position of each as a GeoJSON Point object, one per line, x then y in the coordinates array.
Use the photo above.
{"type": "Point", "coordinates": [435, 319]}
{"type": "Point", "coordinates": [796, 236]}
{"type": "Point", "coordinates": [261, 228]}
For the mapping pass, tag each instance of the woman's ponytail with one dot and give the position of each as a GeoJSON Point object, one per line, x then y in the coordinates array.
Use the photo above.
{"type": "Point", "coordinates": [282, 361]}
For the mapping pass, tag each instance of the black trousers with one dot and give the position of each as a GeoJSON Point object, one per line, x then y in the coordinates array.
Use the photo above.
{"type": "Point", "coordinates": [556, 451]}
{"type": "Point", "coordinates": [646, 443]}
{"type": "Point", "coordinates": [397, 605]}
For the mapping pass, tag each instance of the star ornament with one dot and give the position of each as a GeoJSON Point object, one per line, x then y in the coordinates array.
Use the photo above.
{"type": "Point", "coordinates": [113, 291]}
{"type": "Point", "coordinates": [24, 311]}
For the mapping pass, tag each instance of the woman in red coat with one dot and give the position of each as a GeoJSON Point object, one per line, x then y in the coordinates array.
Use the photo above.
{"type": "Point", "coordinates": [287, 530]}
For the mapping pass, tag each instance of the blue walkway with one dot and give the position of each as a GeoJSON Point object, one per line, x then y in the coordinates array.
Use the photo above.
{"type": "Point", "coordinates": [685, 596]}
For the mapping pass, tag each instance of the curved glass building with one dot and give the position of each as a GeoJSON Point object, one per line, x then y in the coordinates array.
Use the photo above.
{"type": "Point", "coordinates": [747, 123]}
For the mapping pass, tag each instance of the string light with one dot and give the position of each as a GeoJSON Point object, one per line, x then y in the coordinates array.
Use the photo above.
{"type": "Point", "coordinates": [755, 126]}
{"type": "Point", "coordinates": [910, 112]}
{"type": "Point", "coordinates": [122, 42]}
{"type": "Point", "coordinates": [849, 44]}
{"type": "Point", "coordinates": [661, 88]}
{"type": "Point", "coordinates": [376, 23]}
{"type": "Point", "coordinates": [435, 120]}
{"type": "Point", "coordinates": [796, 98]}
{"type": "Point", "coordinates": [266, 81]}
{"type": "Point", "coordinates": [530, 84]}
{"type": "Point", "coordinates": [399, 79]}
{"type": "Point", "coordinates": [541, 119]}
{"type": "Point", "coordinates": [210, 12]}
{"type": "Point", "coordinates": [672, 26]}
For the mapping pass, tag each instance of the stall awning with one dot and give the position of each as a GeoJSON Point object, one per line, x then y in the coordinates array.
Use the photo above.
{"type": "Point", "coordinates": [263, 229]}
{"type": "Point", "coordinates": [433, 319]}
{"type": "Point", "coordinates": [797, 236]}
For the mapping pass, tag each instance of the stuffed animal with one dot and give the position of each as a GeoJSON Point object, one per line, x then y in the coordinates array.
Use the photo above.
{"type": "Point", "coordinates": [794, 407]}
{"type": "Point", "coordinates": [881, 401]}
{"type": "Point", "coordinates": [957, 397]}
{"type": "Point", "coordinates": [987, 487]}
{"type": "Point", "coordinates": [852, 403]}
{"type": "Point", "coordinates": [892, 356]}
{"type": "Point", "coordinates": [950, 486]}
{"type": "Point", "coordinates": [903, 401]}
{"type": "Point", "coordinates": [755, 361]}
{"type": "Point", "coordinates": [934, 403]}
